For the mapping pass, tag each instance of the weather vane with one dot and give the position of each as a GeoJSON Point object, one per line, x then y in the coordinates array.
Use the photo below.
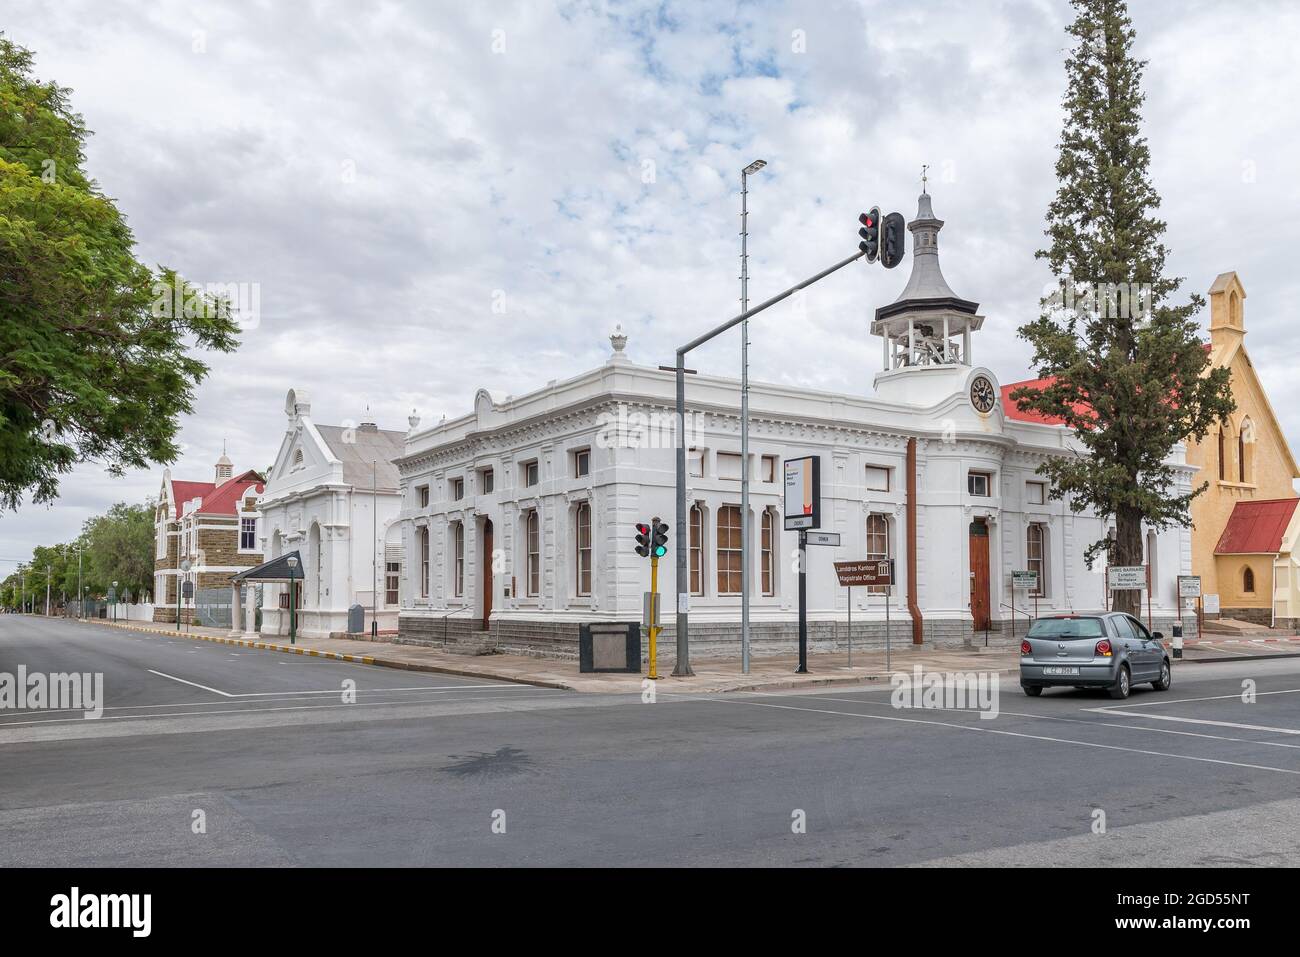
{"type": "Point", "coordinates": [924, 179]}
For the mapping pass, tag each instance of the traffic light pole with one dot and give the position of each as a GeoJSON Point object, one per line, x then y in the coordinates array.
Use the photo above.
{"type": "Point", "coordinates": [683, 666]}
{"type": "Point", "coordinates": [654, 619]}
{"type": "Point", "coordinates": [803, 603]}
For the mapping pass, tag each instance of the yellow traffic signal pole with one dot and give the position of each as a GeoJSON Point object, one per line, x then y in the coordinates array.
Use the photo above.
{"type": "Point", "coordinates": [654, 618]}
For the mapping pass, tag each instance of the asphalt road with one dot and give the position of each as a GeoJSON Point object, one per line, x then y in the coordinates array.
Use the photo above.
{"type": "Point", "coordinates": [263, 750]}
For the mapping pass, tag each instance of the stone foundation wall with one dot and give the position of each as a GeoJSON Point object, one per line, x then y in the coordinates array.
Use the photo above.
{"type": "Point", "coordinates": [1256, 616]}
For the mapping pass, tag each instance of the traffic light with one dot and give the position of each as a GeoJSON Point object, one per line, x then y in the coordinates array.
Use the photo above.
{"type": "Point", "coordinates": [870, 233]}
{"type": "Point", "coordinates": [891, 253]}
{"type": "Point", "coordinates": [643, 539]}
{"type": "Point", "coordinates": [659, 538]}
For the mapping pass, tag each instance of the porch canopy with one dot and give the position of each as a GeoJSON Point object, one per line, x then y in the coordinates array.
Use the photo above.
{"type": "Point", "coordinates": [277, 570]}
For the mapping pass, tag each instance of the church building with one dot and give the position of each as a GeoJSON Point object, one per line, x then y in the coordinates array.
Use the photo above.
{"type": "Point", "coordinates": [517, 518]}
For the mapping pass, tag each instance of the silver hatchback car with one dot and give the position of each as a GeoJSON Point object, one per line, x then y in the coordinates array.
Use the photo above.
{"type": "Point", "coordinates": [1110, 650]}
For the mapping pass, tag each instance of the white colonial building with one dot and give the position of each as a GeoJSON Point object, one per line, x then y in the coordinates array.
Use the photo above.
{"type": "Point", "coordinates": [518, 518]}
{"type": "Point", "coordinates": [333, 497]}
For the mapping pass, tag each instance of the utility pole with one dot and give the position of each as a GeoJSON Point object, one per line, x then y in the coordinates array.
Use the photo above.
{"type": "Point", "coordinates": [745, 551]}
{"type": "Point", "coordinates": [48, 572]}
{"type": "Point", "coordinates": [374, 549]}
{"type": "Point", "coordinates": [683, 667]}
{"type": "Point", "coordinates": [81, 594]}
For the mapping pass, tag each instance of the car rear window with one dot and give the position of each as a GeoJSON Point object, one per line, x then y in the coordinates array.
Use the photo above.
{"type": "Point", "coordinates": [1067, 628]}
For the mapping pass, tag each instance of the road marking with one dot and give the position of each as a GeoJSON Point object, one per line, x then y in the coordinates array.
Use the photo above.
{"type": "Point", "coordinates": [1168, 701]}
{"type": "Point", "coordinates": [1079, 721]}
{"type": "Point", "coordinates": [1012, 734]}
{"type": "Point", "coordinates": [224, 694]}
{"type": "Point", "coordinates": [1217, 724]}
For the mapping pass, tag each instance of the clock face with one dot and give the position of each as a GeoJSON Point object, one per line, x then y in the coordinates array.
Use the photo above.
{"type": "Point", "coordinates": [982, 395]}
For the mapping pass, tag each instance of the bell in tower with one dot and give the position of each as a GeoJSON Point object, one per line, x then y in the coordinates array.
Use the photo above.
{"type": "Point", "coordinates": [926, 330]}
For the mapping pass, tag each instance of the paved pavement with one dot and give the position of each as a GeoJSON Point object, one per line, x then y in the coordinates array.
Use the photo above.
{"type": "Point", "coordinates": [427, 769]}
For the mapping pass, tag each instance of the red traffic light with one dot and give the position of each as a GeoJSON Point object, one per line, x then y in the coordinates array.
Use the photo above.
{"type": "Point", "coordinates": [642, 528]}
{"type": "Point", "coordinates": [865, 219]}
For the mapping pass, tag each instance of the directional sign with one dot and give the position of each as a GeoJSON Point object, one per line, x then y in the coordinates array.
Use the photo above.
{"type": "Point", "coordinates": [1026, 580]}
{"type": "Point", "coordinates": [1126, 577]}
{"type": "Point", "coordinates": [1189, 586]}
{"type": "Point", "coordinates": [868, 572]}
{"type": "Point", "coordinates": [823, 538]}
{"type": "Point", "coordinates": [803, 495]}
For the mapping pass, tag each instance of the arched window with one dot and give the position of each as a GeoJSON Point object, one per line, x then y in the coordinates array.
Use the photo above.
{"type": "Point", "coordinates": [534, 542]}
{"type": "Point", "coordinates": [458, 559]}
{"type": "Point", "coordinates": [877, 546]}
{"type": "Point", "coordinates": [697, 550]}
{"type": "Point", "coordinates": [582, 537]}
{"type": "Point", "coordinates": [1223, 464]}
{"type": "Point", "coordinates": [767, 550]}
{"type": "Point", "coordinates": [1248, 581]}
{"type": "Point", "coordinates": [1241, 458]}
{"type": "Point", "coordinates": [729, 567]}
{"type": "Point", "coordinates": [1036, 556]}
{"type": "Point", "coordinates": [424, 562]}
{"type": "Point", "coordinates": [1246, 451]}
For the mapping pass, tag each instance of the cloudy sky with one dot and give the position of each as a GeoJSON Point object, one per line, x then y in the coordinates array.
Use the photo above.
{"type": "Point", "coordinates": [438, 197]}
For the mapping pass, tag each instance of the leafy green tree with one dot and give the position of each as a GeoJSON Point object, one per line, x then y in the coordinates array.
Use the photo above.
{"type": "Point", "coordinates": [98, 353]}
{"type": "Point", "coordinates": [1127, 365]}
{"type": "Point", "coordinates": [119, 547]}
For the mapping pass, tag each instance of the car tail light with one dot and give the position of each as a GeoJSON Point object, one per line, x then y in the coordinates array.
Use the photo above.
{"type": "Point", "coordinates": [1026, 648]}
{"type": "Point", "coordinates": [1103, 648]}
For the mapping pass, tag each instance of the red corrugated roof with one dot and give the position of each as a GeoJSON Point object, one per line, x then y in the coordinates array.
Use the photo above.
{"type": "Point", "coordinates": [1013, 411]}
{"type": "Point", "coordinates": [182, 492]}
{"type": "Point", "coordinates": [1256, 528]}
{"type": "Point", "coordinates": [225, 498]}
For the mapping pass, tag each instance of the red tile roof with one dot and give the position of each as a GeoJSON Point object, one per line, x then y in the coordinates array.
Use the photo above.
{"type": "Point", "coordinates": [1256, 528]}
{"type": "Point", "coordinates": [1013, 411]}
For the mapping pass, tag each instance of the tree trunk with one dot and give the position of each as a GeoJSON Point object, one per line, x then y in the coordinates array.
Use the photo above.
{"type": "Point", "coordinates": [1127, 551]}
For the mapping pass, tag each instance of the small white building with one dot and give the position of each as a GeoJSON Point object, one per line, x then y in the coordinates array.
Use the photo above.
{"type": "Point", "coordinates": [332, 495]}
{"type": "Point", "coordinates": [518, 518]}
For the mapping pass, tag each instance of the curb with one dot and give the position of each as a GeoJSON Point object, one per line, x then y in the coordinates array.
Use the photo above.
{"type": "Point", "coordinates": [335, 656]}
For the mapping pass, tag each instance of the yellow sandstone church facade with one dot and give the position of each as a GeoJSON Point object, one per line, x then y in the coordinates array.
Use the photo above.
{"type": "Point", "coordinates": [1246, 522]}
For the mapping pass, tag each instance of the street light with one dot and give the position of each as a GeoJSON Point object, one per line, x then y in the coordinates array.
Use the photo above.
{"type": "Point", "coordinates": [293, 622]}
{"type": "Point", "coordinates": [745, 553]}
{"type": "Point", "coordinates": [112, 597]}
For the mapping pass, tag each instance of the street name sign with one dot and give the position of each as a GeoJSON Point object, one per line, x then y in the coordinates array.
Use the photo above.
{"type": "Point", "coordinates": [823, 538]}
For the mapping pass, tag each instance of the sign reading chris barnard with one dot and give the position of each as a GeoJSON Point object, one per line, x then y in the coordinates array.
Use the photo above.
{"type": "Point", "coordinates": [803, 493]}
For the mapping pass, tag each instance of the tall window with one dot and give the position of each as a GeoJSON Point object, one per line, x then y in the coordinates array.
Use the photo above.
{"type": "Point", "coordinates": [424, 562]}
{"type": "Point", "coordinates": [729, 566]}
{"type": "Point", "coordinates": [1248, 581]}
{"type": "Point", "coordinates": [1036, 556]}
{"type": "Point", "coordinates": [766, 553]}
{"type": "Point", "coordinates": [697, 549]}
{"type": "Point", "coordinates": [458, 567]}
{"type": "Point", "coordinates": [581, 463]}
{"type": "Point", "coordinates": [877, 546]}
{"type": "Point", "coordinates": [1223, 465]}
{"type": "Point", "coordinates": [1241, 456]}
{"type": "Point", "coordinates": [531, 473]}
{"type": "Point", "coordinates": [422, 496]}
{"type": "Point", "coordinates": [534, 541]}
{"type": "Point", "coordinates": [392, 573]}
{"type": "Point", "coordinates": [457, 489]}
{"type": "Point", "coordinates": [582, 528]}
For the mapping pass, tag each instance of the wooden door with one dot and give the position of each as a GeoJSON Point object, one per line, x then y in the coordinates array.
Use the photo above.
{"type": "Point", "coordinates": [487, 571]}
{"type": "Point", "coordinates": [979, 574]}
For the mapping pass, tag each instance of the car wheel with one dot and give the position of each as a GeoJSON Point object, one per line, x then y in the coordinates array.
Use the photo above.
{"type": "Point", "coordinates": [1032, 690]}
{"type": "Point", "coordinates": [1121, 687]}
{"type": "Point", "coordinates": [1166, 677]}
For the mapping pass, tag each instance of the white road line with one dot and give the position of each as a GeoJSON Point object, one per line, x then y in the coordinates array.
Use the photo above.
{"type": "Point", "coordinates": [1217, 724]}
{"type": "Point", "coordinates": [224, 694]}
{"type": "Point", "coordinates": [1054, 717]}
{"type": "Point", "coordinates": [1168, 701]}
{"type": "Point", "coordinates": [1012, 734]}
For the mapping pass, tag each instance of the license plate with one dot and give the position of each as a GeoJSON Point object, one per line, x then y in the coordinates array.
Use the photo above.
{"type": "Point", "coordinates": [1060, 671]}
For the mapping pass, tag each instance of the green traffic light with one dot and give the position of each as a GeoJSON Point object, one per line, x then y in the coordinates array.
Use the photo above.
{"type": "Point", "coordinates": [661, 551]}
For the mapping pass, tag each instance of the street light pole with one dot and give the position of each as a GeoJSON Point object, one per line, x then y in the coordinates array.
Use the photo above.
{"type": "Point", "coordinates": [745, 551]}
{"type": "Point", "coordinates": [683, 667]}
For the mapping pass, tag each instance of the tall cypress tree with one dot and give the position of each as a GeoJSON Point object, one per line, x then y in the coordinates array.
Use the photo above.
{"type": "Point", "coordinates": [1128, 370]}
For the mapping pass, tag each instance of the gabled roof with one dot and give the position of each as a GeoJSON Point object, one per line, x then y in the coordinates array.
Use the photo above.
{"type": "Point", "coordinates": [183, 492]}
{"type": "Point", "coordinates": [1257, 527]}
{"type": "Point", "coordinates": [225, 498]}
{"type": "Point", "coordinates": [276, 570]}
{"type": "Point", "coordinates": [357, 448]}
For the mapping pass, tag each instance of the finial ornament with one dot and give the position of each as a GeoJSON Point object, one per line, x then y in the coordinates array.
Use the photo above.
{"type": "Point", "coordinates": [618, 339]}
{"type": "Point", "coordinates": [924, 178]}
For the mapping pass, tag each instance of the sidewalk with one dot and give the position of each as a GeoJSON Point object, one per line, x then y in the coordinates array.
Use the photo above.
{"type": "Point", "coordinates": [711, 674]}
